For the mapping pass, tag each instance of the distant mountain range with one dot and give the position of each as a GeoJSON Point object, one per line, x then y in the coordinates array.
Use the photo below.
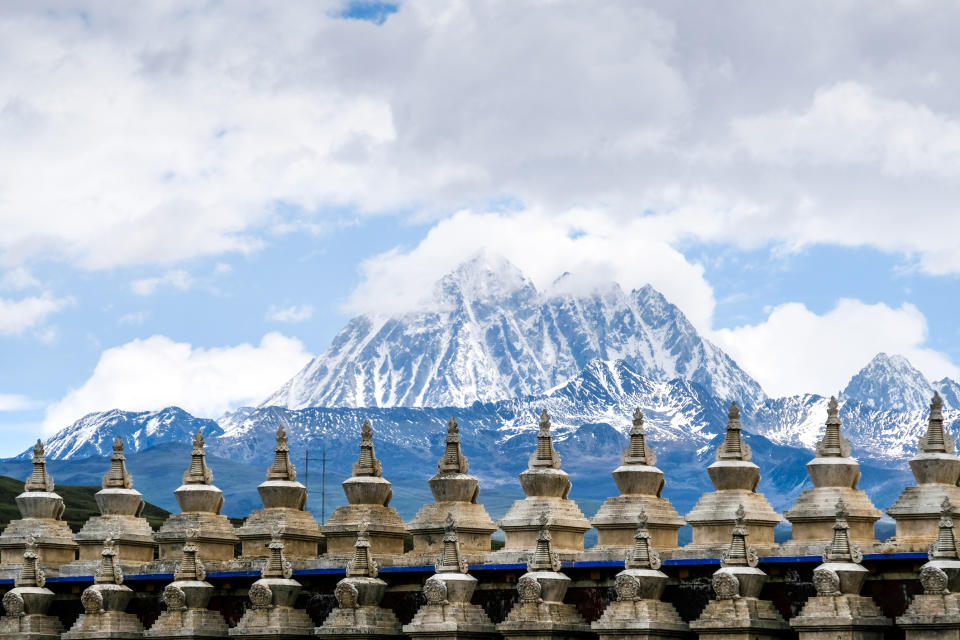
{"type": "Point", "coordinates": [492, 350]}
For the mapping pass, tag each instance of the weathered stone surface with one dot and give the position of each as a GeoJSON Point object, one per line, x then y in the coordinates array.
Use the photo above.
{"type": "Point", "coordinates": [104, 604]}
{"type": "Point", "coordinates": [200, 504]}
{"type": "Point", "coordinates": [27, 604]}
{"type": "Point", "coordinates": [455, 493]}
{"type": "Point", "coordinates": [735, 479]}
{"type": "Point", "coordinates": [638, 613]}
{"type": "Point", "coordinates": [546, 487]}
{"type": "Point", "coordinates": [284, 500]}
{"type": "Point", "coordinates": [359, 614]}
{"type": "Point", "coordinates": [835, 476]}
{"type": "Point", "coordinates": [936, 468]}
{"type": "Point", "coordinates": [41, 510]}
{"type": "Point", "coordinates": [640, 483]}
{"type": "Point", "coordinates": [369, 496]}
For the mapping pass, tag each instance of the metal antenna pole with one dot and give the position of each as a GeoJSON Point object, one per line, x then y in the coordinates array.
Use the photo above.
{"type": "Point", "coordinates": [306, 473]}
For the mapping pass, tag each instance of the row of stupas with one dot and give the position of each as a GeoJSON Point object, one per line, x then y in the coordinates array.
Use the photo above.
{"type": "Point", "coordinates": [546, 486]}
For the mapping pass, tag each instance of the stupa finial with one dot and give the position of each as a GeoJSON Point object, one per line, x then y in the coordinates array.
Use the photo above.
{"type": "Point", "coordinates": [277, 565]}
{"type": "Point", "coordinates": [543, 558]}
{"type": "Point", "coordinates": [39, 479]}
{"type": "Point", "coordinates": [642, 556]}
{"type": "Point", "coordinates": [198, 472]}
{"type": "Point", "coordinates": [450, 560]}
{"type": "Point", "coordinates": [453, 460]}
{"type": "Point", "coordinates": [362, 564]}
{"type": "Point", "coordinates": [833, 444]}
{"type": "Point", "coordinates": [282, 468]}
{"type": "Point", "coordinates": [545, 456]}
{"type": "Point", "coordinates": [733, 446]}
{"type": "Point", "coordinates": [109, 571]}
{"type": "Point", "coordinates": [30, 575]}
{"type": "Point", "coordinates": [936, 439]}
{"type": "Point", "coordinates": [367, 464]}
{"type": "Point", "coordinates": [117, 477]}
{"type": "Point", "coordinates": [638, 452]}
{"type": "Point", "coordinates": [739, 554]}
{"type": "Point", "coordinates": [190, 566]}
{"type": "Point", "coordinates": [945, 547]}
{"type": "Point", "coordinates": [841, 549]}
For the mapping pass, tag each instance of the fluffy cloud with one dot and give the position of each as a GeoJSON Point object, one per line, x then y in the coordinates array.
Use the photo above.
{"type": "Point", "coordinates": [157, 372]}
{"type": "Point", "coordinates": [177, 278]}
{"type": "Point", "coordinates": [593, 246]}
{"type": "Point", "coordinates": [293, 313]}
{"type": "Point", "coordinates": [16, 316]}
{"type": "Point", "coordinates": [797, 351]}
{"type": "Point", "coordinates": [15, 402]}
{"type": "Point", "coordinates": [17, 279]}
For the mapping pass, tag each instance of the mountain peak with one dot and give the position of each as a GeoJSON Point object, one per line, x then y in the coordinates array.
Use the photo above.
{"type": "Point", "coordinates": [484, 277]}
{"type": "Point", "coordinates": [889, 382]}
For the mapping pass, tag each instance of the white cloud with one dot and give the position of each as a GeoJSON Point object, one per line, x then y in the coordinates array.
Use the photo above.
{"type": "Point", "coordinates": [134, 318]}
{"type": "Point", "coordinates": [798, 351]}
{"type": "Point", "coordinates": [16, 316]}
{"type": "Point", "coordinates": [293, 313]}
{"type": "Point", "coordinates": [15, 402]}
{"type": "Point", "coordinates": [17, 279]}
{"type": "Point", "coordinates": [156, 372]}
{"type": "Point", "coordinates": [593, 245]}
{"type": "Point", "coordinates": [177, 278]}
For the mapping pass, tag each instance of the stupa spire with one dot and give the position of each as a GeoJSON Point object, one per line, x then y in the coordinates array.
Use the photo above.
{"type": "Point", "coordinates": [543, 558]}
{"type": "Point", "coordinates": [841, 549]}
{"type": "Point", "coordinates": [117, 476]}
{"type": "Point", "coordinates": [936, 439]}
{"type": "Point", "coordinates": [833, 444]}
{"type": "Point", "coordinates": [638, 452]}
{"type": "Point", "coordinates": [39, 479]}
{"type": "Point", "coordinates": [362, 565]}
{"type": "Point", "coordinates": [277, 565]}
{"type": "Point", "coordinates": [450, 559]}
{"type": "Point", "coordinates": [190, 566]}
{"type": "Point", "coordinates": [453, 460]}
{"type": "Point", "coordinates": [733, 447]}
{"type": "Point", "coordinates": [945, 547]}
{"type": "Point", "coordinates": [198, 472]}
{"type": "Point", "coordinates": [109, 571]}
{"type": "Point", "coordinates": [642, 556]}
{"type": "Point", "coordinates": [30, 575]}
{"type": "Point", "coordinates": [739, 554]}
{"type": "Point", "coordinates": [545, 456]}
{"type": "Point", "coordinates": [282, 468]}
{"type": "Point", "coordinates": [367, 464]}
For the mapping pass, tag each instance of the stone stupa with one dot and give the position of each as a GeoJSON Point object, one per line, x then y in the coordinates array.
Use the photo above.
{"type": "Point", "coordinates": [105, 603]}
{"type": "Point", "coordinates": [541, 612]}
{"type": "Point", "coordinates": [358, 615]}
{"type": "Point", "coordinates": [935, 613]}
{"type": "Point", "coordinates": [448, 614]}
{"type": "Point", "coordinates": [272, 614]}
{"type": "Point", "coordinates": [26, 605]}
{"type": "Point", "coordinates": [455, 494]}
{"type": "Point", "coordinates": [369, 494]}
{"type": "Point", "coordinates": [284, 500]}
{"type": "Point", "coordinates": [186, 599]}
{"type": "Point", "coordinates": [638, 613]}
{"type": "Point", "coordinates": [835, 476]}
{"type": "Point", "coordinates": [735, 480]}
{"type": "Point", "coordinates": [200, 504]}
{"type": "Point", "coordinates": [640, 483]}
{"type": "Point", "coordinates": [546, 487]}
{"type": "Point", "coordinates": [737, 612]}
{"type": "Point", "coordinates": [41, 511]}
{"type": "Point", "coordinates": [120, 508]}
{"type": "Point", "coordinates": [838, 610]}
{"type": "Point", "coordinates": [937, 469]}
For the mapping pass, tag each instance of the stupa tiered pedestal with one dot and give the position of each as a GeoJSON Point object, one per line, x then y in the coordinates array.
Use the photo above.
{"type": "Point", "coordinates": [105, 602]}
{"type": "Point", "coordinates": [640, 484]}
{"type": "Point", "coordinates": [546, 487]}
{"type": "Point", "coordinates": [26, 606]}
{"type": "Point", "coordinates": [284, 500]}
{"type": "Point", "coordinates": [455, 494]}
{"type": "Point", "coordinates": [369, 496]}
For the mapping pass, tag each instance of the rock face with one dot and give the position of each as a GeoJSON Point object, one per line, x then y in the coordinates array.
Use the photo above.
{"type": "Point", "coordinates": [358, 614]}
{"type": "Point", "coordinates": [735, 481]}
{"type": "Point", "coordinates": [120, 508]}
{"type": "Point", "coordinates": [638, 613]}
{"type": "Point", "coordinates": [41, 510]}
{"type": "Point", "coordinates": [737, 613]}
{"type": "Point", "coordinates": [935, 613]}
{"type": "Point", "coordinates": [105, 603]}
{"type": "Point", "coordinates": [640, 483]}
{"type": "Point", "coordinates": [26, 605]}
{"type": "Point", "coordinates": [186, 599]}
{"type": "Point", "coordinates": [937, 469]}
{"type": "Point", "coordinates": [283, 499]}
{"type": "Point", "coordinates": [200, 504]}
{"type": "Point", "coordinates": [835, 475]}
{"type": "Point", "coordinates": [541, 613]}
{"type": "Point", "coordinates": [369, 494]}
{"type": "Point", "coordinates": [546, 487]}
{"type": "Point", "coordinates": [448, 614]}
{"type": "Point", "coordinates": [272, 614]}
{"type": "Point", "coordinates": [838, 609]}
{"type": "Point", "coordinates": [455, 495]}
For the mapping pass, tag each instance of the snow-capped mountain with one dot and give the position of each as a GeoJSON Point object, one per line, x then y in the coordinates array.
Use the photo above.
{"type": "Point", "coordinates": [487, 334]}
{"type": "Point", "coordinates": [889, 383]}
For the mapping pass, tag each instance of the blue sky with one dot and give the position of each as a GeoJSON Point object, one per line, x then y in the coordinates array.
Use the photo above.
{"type": "Point", "coordinates": [194, 200]}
